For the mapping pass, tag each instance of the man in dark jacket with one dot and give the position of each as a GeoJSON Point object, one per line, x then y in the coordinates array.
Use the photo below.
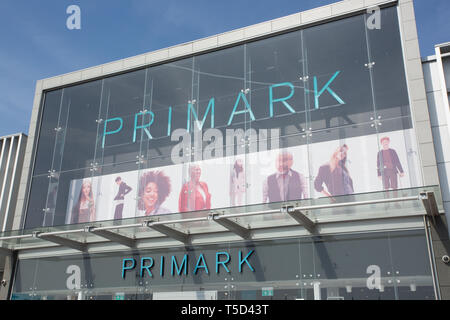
{"type": "Point", "coordinates": [286, 184]}
{"type": "Point", "coordinates": [124, 189]}
{"type": "Point", "coordinates": [388, 165]}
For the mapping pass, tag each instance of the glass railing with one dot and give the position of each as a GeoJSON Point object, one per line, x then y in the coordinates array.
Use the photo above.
{"type": "Point", "coordinates": [373, 205]}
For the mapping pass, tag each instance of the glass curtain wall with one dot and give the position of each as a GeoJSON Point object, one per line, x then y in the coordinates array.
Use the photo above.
{"type": "Point", "coordinates": [373, 266]}
{"type": "Point", "coordinates": [318, 112]}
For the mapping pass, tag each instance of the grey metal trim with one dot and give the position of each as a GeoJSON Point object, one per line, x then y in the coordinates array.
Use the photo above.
{"type": "Point", "coordinates": [172, 233]}
{"type": "Point", "coordinates": [13, 181]}
{"type": "Point", "coordinates": [9, 276]}
{"type": "Point", "coordinates": [430, 204]}
{"type": "Point", "coordinates": [436, 287]}
{"type": "Point", "coordinates": [301, 218]}
{"type": "Point", "coordinates": [31, 148]}
{"type": "Point", "coordinates": [241, 231]}
{"type": "Point", "coordinates": [6, 170]}
{"type": "Point", "coordinates": [114, 237]}
{"type": "Point", "coordinates": [6, 252]}
{"type": "Point", "coordinates": [63, 241]}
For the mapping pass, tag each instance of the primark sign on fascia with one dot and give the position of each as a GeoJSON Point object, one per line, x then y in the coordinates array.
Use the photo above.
{"type": "Point", "coordinates": [144, 120]}
{"type": "Point", "coordinates": [209, 171]}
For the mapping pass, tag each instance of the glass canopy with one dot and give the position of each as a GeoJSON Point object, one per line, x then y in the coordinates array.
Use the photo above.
{"type": "Point", "coordinates": [241, 221]}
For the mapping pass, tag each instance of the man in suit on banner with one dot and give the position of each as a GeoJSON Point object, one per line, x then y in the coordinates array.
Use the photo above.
{"type": "Point", "coordinates": [286, 184]}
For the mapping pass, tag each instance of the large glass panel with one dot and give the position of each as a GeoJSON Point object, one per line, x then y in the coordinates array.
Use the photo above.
{"type": "Point", "coordinates": [388, 71]}
{"type": "Point", "coordinates": [122, 101]}
{"type": "Point", "coordinates": [380, 265]}
{"type": "Point", "coordinates": [276, 79]}
{"type": "Point", "coordinates": [37, 202]}
{"type": "Point", "coordinates": [47, 133]}
{"type": "Point", "coordinates": [296, 116]}
{"type": "Point", "coordinates": [340, 88]}
{"type": "Point", "coordinates": [83, 103]}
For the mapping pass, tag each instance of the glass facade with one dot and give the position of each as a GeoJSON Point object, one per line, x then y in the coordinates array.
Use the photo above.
{"type": "Point", "coordinates": [304, 119]}
{"type": "Point", "coordinates": [384, 265]}
{"type": "Point", "coordinates": [300, 115]}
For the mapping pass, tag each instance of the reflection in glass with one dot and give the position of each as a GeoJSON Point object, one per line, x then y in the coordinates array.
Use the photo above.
{"type": "Point", "coordinates": [291, 117]}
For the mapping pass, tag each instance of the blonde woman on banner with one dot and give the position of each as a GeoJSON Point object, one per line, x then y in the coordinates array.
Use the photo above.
{"type": "Point", "coordinates": [335, 175]}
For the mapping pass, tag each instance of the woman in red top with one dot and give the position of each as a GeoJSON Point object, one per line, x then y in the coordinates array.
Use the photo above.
{"type": "Point", "coordinates": [194, 194]}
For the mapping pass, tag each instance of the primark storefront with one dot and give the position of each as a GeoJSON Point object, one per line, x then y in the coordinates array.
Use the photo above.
{"type": "Point", "coordinates": [278, 161]}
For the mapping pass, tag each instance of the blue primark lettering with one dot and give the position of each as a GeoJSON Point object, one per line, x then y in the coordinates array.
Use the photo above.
{"type": "Point", "coordinates": [222, 259]}
{"type": "Point", "coordinates": [241, 261]}
{"type": "Point", "coordinates": [143, 126]}
{"type": "Point", "coordinates": [169, 122]}
{"type": "Point", "coordinates": [282, 100]}
{"type": "Point", "coordinates": [203, 265]}
{"type": "Point", "coordinates": [143, 266]}
{"type": "Point", "coordinates": [161, 267]}
{"type": "Point", "coordinates": [193, 116]}
{"type": "Point", "coordinates": [124, 266]}
{"type": "Point", "coordinates": [223, 263]}
{"type": "Point", "coordinates": [192, 110]}
{"type": "Point", "coordinates": [105, 133]}
{"type": "Point", "coordinates": [247, 108]}
{"type": "Point", "coordinates": [183, 263]}
{"type": "Point", "coordinates": [326, 87]}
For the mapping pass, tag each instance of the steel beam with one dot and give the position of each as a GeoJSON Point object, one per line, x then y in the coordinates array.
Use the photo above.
{"type": "Point", "coordinates": [114, 237]}
{"type": "Point", "coordinates": [63, 242]}
{"type": "Point", "coordinates": [171, 233]}
{"type": "Point", "coordinates": [300, 218]}
{"type": "Point", "coordinates": [5, 252]}
{"type": "Point", "coordinates": [430, 204]}
{"type": "Point", "coordinates": [242, 232]}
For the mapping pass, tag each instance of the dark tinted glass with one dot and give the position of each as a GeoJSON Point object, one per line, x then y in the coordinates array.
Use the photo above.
{"type": "Point", "coordinates": [47, 133]}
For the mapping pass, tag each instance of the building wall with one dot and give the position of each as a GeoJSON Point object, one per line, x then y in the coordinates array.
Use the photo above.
{"type": "Point", "coordinates": [307, 18]}
{"type": "Point", "coordinates": [12, 149]}
{"type": "Point", "coordinates": [414, 72]}
{"type": "Point", "coordinates": [11, 158]}
{"type": "Point", "coordinates": [438, 108]}
{"type": "Point", "coordinates": [437, 80]}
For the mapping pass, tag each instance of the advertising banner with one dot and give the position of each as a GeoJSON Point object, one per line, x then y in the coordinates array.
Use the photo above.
{"type": "Point", "coordinates": [319, 112]}
{"type": "Point", "coordinates": [324, 169]}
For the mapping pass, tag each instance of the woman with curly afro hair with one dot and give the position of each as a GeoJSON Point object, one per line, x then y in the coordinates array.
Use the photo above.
{"type": "Point", "coordinates": [154, 187]}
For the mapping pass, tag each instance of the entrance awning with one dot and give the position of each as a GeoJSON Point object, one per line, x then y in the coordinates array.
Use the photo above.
{"type": "Point", "coordinates": [242, 222]}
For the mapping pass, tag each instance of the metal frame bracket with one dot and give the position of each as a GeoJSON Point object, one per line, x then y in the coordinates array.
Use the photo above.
{"type": "Point", "coordinates": [429, 203]}
{"type": "Point", "coordinates": [6, 252]}
{"type": "Point", "coordinates": [237, 229]}
{"type": "Point", "coordinates": [300, 217]}
{"type": "Point", "coordinates": [170, 232]}
{"type": "Point", "coordinates": [63, 241]}
{"type": "Point", "coordinates": [114, 237]}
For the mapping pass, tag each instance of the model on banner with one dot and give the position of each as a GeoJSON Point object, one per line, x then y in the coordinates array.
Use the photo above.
{"type": "Point", "coordinates": [335, 175]}
{"type": "Point", "coordinates": [84, 209]}
{"type": "Point", "coordinates": [194, 194]}
{"type": "Point", "coordinates": [285, 184]}
{"type": "Point", "coordinates": [388, 165]}
{"type": "Point", "coordinates": [154, 187]}
{"type": "Point", "coordinates": [237, 184]}
{"type": "Point", "coordinates": [119, 199]}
